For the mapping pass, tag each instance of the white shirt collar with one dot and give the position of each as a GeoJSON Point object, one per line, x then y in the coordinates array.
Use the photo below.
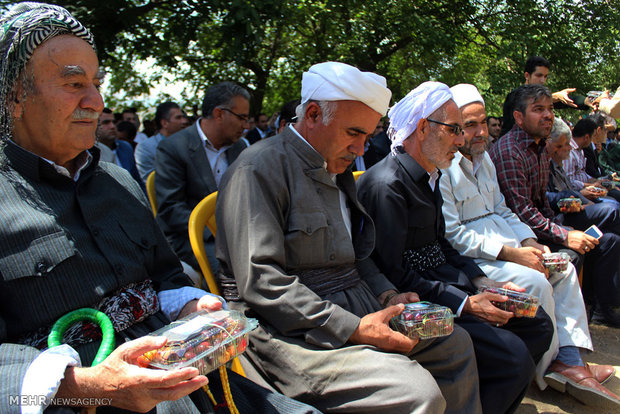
{"type": "Point", "coordinates": [432, 179]}
{"type": "Point", "coordinates": [83, 160]}
{"type": "Point", "coordinates": [208, 143]}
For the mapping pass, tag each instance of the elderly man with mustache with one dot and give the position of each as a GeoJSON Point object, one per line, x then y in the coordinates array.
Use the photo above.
{"type": "Point", "coordinates": [401, 194]}
{"type": "Point", "coordinates": [480, 225]}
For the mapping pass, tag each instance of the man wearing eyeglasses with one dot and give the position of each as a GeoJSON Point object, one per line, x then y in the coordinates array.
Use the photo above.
{"type": "Point", "coordinates": [190, 164]}
{"type": "Point", "coordinates": [401, 194]}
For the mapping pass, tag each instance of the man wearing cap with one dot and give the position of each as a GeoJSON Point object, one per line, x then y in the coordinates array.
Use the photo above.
{"type": "Point", "coordinates": [401, 194]}
{"type": "Point", "coordinates": [76, 233]}
{"type": "Point", "coordinates": [480, 226]}
{"type": "Point", "coordinates": [291, 239]}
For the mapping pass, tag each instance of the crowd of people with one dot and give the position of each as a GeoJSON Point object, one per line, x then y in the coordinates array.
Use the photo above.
{"type": "Point", "coordinates": [452, 201]}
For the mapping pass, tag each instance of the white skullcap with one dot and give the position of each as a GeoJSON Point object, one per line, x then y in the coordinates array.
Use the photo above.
{"type": "Point", "coordinates": [418, 104]}
{"type": "Point", "coordinates": [464, 94]}
{"type": "Point", "coordinates": [335, 81]}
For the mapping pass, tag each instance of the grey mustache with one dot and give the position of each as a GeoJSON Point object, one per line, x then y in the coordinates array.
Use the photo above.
{"type": "Point", "coordinates": [84, 114]}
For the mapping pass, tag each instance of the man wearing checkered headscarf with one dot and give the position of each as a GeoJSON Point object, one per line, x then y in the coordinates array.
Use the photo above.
{"type": "Point", "coordinates": [22, 29]}
{"type": "Point", "coordinates": [78, 233]}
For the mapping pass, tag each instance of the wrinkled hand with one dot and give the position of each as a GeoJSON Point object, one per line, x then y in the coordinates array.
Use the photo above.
{"type": "Point", "coordinates": [404, 298]}
{"type": "Point", "coordinates": [374, 330]}
{"type": "Point", "coordinates": [128, 385]}
{"type": "Point", "coordinates": [534, 243]}
{"type": "Point", "coordinates": [580, 242]}
{"type": "Point", "coordinates": [589, 194]}
{"type": "Point", "coordinates": [562, 96]}
{"type": "Point", "coordinates": [480, 305]}
{"type": "Point", "coordinates": [511, 286]}
{"type": "Point", "coordinates": [208, 302]}
{"type": "Point", "coordinates": [525, 256]}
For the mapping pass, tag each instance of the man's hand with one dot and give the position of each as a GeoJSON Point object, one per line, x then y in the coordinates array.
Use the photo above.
{"type": "Point", "coordinates": [207, 302]}
{"type": "Point", "coordinates": [407, 297]}
{"type": "Point", "coordinates": [525, 256]}
{"type": "Point", "coordinates": [126, 384]}
{"type": "Point", "coordinates": [531, 242]}
{"type": "Point", "coordinates": [594, 103]}
{"type": "Point", "coordinates": [580, 242]}
{"type": "Point", "coordinates": [589, 194]}
{"type": "Point", "coordinates": [480, 305]}
{"type": "Point", "coordinates": [562, 96]}
{"type": "Point", "coordinates": [374, 330]}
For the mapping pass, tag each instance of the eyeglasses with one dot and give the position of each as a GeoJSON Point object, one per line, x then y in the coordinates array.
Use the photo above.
{"type": "Point", "coordinates": [456, 129]}
{"type": "Point", "coordinates": [242, 118]}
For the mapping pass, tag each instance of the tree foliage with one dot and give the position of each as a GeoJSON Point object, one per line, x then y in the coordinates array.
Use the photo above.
{"type": "Point", "coordinates": [265, 45]}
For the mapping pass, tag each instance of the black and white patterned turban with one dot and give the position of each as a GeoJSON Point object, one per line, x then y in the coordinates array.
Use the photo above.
{"type": "Point", "coordinates": [23, 28]}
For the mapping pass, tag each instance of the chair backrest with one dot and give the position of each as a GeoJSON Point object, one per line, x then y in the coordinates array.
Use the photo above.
{"type": "Point", "coordinates": [356, 174]}
{"type": "Point", "coordinates": [150, 192]}
{"type": "Point", "coordinates": [203, 215]}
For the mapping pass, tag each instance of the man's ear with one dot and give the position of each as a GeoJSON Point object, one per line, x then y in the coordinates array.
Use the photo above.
{"type": "Point", "coordinates": [519, 117]}
{"type": "Point", "coordinates": [17, 104]}
{"type": "Point", "coordinates": [313, 114]}
{"type": "Point", "coordinates": [527, 77]}
{"type": "Point", "coordinates": [423, 128]}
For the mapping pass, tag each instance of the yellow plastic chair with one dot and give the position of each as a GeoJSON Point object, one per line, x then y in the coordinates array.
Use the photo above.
{"type": "Point", "coordinates": [150, 191]}
{"type": "Point", "coordinates": [356, 174]}
{"type": "Point", "coordinates": [204, 215]}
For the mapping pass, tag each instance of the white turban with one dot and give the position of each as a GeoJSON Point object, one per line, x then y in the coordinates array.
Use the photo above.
{"type": "Point", "coordinates": [418, 104]}
{"type": "Point", "coordinates": [465, 93]}
{"type": "Point", "coordinates": [335, 81]}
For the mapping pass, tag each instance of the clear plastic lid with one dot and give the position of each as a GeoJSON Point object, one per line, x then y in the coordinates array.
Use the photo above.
{"type": "Point", "coordinates": [521, 304]}
{"type": "Point", "coordinates": [205, 340]}
{"type": "Point", "coordinates": [556, 262]}
{"type": "Point", "coordinates": [569, 205]}
{"type": "Point", "coordinates": [424, 320]}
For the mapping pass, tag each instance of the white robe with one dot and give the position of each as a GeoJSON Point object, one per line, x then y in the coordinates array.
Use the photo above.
{"type": "Point", "coordinates": [477, 197]}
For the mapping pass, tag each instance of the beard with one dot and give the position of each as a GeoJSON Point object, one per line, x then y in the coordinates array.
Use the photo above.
{"type": "Point", "coordinates": [434, 153]}
{"type": "Point", "coordinates": [470, 149]}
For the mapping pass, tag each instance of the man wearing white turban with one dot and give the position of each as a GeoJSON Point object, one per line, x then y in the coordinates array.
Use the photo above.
{"type": "Point", "coordinates": [291, 239]}
{"type": "Point", "coordinates": [480, 225]}
{"type": "Point", "coordinates": [401, 194]}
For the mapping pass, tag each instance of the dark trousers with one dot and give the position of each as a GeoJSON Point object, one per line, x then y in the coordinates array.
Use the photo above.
{"type": "Point", "coordinates": [601, 271]}
{"type": "Point", "coordinates": [507, 357]}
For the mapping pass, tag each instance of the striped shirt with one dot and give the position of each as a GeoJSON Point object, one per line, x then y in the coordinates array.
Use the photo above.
{"type": "Point", "coordinates": [575, 167]}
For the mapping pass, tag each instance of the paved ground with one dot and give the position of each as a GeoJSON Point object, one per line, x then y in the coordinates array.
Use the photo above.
{"type": "Point", "coordinates": [606, 351]}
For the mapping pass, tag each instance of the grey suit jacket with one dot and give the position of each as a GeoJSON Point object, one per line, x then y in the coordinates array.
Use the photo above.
{"type": "Point", "coordinates": [183, 178]}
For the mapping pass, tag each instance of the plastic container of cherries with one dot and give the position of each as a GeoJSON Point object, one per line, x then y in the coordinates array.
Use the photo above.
{"type": "Point", "coordinates": [597, 190]}
{"type": "Point", "coordinates": [205, 340]}
{"type": "Point", "coordinates": [424, 320]}
{"type": "Point", "coordinates": [569, 205]}
{"type": "Point", "coordinates": [556, 262]}
{"type": "Point", "coordinates": [521, 304]}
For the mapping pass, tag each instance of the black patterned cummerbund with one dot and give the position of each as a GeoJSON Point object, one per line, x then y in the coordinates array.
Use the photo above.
{"type": "Point", "coordinates": [125, 307]}
{"type": "Point", "coordinates": [425, 258]}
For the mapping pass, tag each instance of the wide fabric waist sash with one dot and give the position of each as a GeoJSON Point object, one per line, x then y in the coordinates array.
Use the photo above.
{"type": "Point", "coordinates": [322, 281]}
{"type": "Point", "coordinates": [328, 280]}
{"type": "Point", "coordinates": [425, 258]}
{"type": "Point", "coordinates": [126, 307]}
